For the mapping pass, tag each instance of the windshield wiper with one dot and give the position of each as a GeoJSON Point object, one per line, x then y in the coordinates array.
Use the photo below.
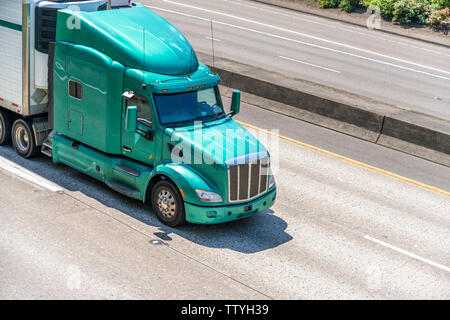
{"type": "Point", "coordinates": [213, 117]}
{"type": "Point", "coordinates": [180, 123]}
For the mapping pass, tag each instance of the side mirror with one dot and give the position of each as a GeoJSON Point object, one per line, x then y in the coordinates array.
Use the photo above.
{"type": "Point", "coordinates": [236, 102]}
{"type": "Point", "coordinates": [131, 119]}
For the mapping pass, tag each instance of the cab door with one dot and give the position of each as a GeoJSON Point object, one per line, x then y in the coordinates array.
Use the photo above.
{"type": "Point", "coordinates": [139, 145]}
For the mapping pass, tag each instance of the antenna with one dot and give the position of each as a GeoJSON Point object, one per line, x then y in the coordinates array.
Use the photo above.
{"type": "Point", "coordinates": [212, 41]}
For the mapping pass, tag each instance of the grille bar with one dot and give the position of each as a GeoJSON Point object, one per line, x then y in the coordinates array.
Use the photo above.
{"type": "Point", "coordinates": [248, 180]}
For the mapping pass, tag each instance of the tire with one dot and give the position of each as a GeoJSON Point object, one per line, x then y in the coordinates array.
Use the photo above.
{"type": "Point", "coordinates": [23, 138]}
{"type": "Point", "coordinates": [167, 203]}
{"type": "Point", "coordinates": [5, 127]}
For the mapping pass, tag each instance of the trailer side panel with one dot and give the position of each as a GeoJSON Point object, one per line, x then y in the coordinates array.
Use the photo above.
{"type": "Point", "coordinates": [11, 55]}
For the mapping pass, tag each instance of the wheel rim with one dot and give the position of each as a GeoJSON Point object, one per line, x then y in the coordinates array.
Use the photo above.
{"type": "Point", "coordinates": [166, 203]}
{"type": "Point", "coordinates": [22, 139]}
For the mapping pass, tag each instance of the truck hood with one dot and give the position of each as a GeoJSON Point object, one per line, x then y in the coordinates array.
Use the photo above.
{"type": "Point", "coordinates": [222, 142]}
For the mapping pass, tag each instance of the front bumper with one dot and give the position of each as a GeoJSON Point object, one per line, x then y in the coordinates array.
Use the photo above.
{"type": "Point", "coordinates": [212, 215]}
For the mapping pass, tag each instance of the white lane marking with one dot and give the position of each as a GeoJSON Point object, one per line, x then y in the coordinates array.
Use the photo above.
{"type": "Point", "coordinates": [304, 43]}
{"type": "Point", "coordinates": [305, 35]}
{"type": "Point", "coordinates": [337, 25]}
{"type": "Point", "coordinates": [215, 39]}
{"type": "Point", "coordinates": [309, 64]}
{"type": "Point", "coordinates": [412, 255]}
{"type": "Point", "coordinates": [27, 175]}
{"type": "Point", "coordinates": [280, 14]}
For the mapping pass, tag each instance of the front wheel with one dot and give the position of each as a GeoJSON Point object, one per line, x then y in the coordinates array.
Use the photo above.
{"type": "Point", "coordinates": [167, 203]}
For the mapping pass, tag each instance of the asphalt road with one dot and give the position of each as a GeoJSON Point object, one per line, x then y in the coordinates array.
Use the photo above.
{"type": "Point", "coordinates": [396, 70]}
{"type": "Point", "coordinates": [337, 230]}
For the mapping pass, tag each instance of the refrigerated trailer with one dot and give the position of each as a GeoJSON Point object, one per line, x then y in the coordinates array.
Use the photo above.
{"type": "Point", "coordinates": [26, 30]}
{"type": "Point", "coordinates": [113, 90]}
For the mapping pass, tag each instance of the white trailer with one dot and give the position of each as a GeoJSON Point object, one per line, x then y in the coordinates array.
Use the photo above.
{"type": "Point", "coordinates": [27, 27]}
{"type": "Point", "coordinates": [11, 55]}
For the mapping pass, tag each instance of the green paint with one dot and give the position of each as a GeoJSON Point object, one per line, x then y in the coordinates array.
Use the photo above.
{"type": "Point", "coordinates": [120, 50]}
{"type": "Point", "coordinates": [136, 38]}
{"type": "Point", "coordinates": [96, 117]}
{"type": "Point", "coordinates": [210, 215]}
{"type": "Point", "coordinates": [103, 167]}
{"type": "Point", "coordinates": [217, 152]}
{"type": "Point", "coordinates": [10, 25]}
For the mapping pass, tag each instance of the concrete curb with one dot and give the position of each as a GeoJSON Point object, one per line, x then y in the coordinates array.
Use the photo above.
{"type": "Point", "coordinates": [384, 29]}
{"type": "Point", "coordinates": [392, 126]}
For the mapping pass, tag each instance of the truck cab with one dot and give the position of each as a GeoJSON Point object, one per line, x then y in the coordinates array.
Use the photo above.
{"type": "Point", "coordinates": [133, 107]}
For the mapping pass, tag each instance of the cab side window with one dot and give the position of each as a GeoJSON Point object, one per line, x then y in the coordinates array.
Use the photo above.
{"type": "Point", "coordinates": [75, 90]}
{"type": "Point", "coordinates": [144, 114]}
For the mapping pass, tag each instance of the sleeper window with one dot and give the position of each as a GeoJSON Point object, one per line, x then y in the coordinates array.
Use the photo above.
{"type": "Point", "coordinates": [75, 89]}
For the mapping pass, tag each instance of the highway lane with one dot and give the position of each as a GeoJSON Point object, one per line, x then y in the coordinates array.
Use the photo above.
{"type": "Point", "coordinates": [337, 231]}
{"type": "Point", "coordinates": [59, 246]}
{"type": "Point", "coordinates": [399, 71]}
{"type": "Point", "coordinates": [384, 158]}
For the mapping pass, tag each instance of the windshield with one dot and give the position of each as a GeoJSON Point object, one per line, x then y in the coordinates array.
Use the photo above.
{"type": "Point", "coordinates": [185, 108]}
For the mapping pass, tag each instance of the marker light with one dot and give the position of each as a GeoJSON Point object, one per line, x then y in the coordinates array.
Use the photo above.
{"type": "Point", "coordinates": [271, 180]}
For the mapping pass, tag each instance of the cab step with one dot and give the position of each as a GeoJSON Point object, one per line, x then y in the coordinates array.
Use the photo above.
{"type": "Point", "coordinates": [47, 149]}
{"type": "Point", "coordinates": [131, 192]}
{"type": "Point", "coordinates": [127, 170]}
{"type": "Point", "coordinates": [47, 145]}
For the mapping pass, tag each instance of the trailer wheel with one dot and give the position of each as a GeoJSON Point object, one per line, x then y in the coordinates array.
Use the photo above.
{"type": "Point", "coordinates": [5, 127]}
{"type": "Point", "coordinates": [23, 138]}
{"type": "Point", "coordinates": [167, 203]}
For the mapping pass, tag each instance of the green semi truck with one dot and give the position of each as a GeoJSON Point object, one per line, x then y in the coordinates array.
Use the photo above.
{"type": "Point", "coordinates": [120, 95]}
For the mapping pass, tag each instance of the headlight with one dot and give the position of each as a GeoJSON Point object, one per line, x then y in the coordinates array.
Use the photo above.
{"type": "Point", "coordinates": [208, 196]}
{"type": "Point", "coordinates": [271, 180]}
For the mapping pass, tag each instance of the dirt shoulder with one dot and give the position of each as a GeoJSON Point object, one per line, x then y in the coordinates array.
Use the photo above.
{"type": "Point", "coordinates": [359, 17]}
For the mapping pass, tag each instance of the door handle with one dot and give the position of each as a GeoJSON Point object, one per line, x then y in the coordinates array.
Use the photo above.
{"type": "Point", "coordinates": [126, 149]}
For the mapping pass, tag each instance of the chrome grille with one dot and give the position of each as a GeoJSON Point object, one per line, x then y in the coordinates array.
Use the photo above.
{"type": "Point", "coordinates": [249, 179]}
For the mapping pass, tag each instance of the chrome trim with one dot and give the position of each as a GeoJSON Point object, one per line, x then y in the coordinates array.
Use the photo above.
{"type": "Point", "coordinates": [265, 160]}
{"type": "Point", "coordinates": [238, 183]}
{"type": "Point", "coordinates": [259, 180]}
{"type": "Point", "coordinates": [26, 58]}
{"type": "Point", "coordinates": [248, 158]}
{"type": "Point", "coordinates": [249, 179]}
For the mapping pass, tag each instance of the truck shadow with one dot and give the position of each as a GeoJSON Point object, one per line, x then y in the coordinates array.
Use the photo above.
{"type": "Point", "coordinates": [257, 233]}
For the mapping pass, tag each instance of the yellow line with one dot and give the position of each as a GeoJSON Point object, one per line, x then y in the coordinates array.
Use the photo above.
{"type": "Point", "coordinates": [358, 163]}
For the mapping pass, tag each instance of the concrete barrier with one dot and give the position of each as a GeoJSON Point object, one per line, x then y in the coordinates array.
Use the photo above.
{"type": "Point", "coordinates": [307, 101]}
{"type": "Point", "coordinates": [368, 119]}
